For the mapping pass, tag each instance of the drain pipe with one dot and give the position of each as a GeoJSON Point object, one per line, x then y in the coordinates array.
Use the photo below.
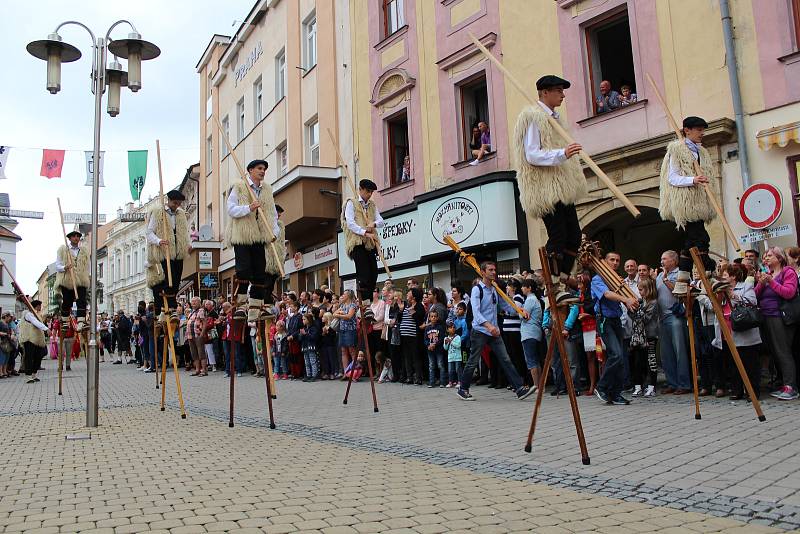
{"type": "Point", "coordinates": [733, 79]}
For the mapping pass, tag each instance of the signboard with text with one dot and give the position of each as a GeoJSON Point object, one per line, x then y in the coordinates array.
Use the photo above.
{"type": "Point", "coordinates": [83, 218]}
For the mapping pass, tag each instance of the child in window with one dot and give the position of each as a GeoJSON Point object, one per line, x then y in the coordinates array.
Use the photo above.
{"type": "Point", "coordinates": [627, 98]}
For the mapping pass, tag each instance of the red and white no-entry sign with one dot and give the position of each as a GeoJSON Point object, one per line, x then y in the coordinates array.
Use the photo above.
{"type": "Point", "coordinates": [760, 206]}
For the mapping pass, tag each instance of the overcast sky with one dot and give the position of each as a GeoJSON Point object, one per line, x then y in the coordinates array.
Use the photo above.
{"type": "Point", "coordinates": [166, 108]}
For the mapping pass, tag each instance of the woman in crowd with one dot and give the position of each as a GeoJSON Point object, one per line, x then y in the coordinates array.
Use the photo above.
{"type": "Point", "coordinates": [775, 287]}
{"type": "Point", "coordinates": [511, 329]}
{"type": "Point", "coordinates": [6, 346]}
{"type": "Point", "coordinates": [195, 332]}
{"type": "Point", "coordinates": [376, 336]}
{"type": "Point", "coordinates": [531, 333]}
{"type": "Point", "coordinates": [733, 291]}
{"type": "Point", "coordinates": [395, 314]}
{"type": "Point", "coordinates": [411, 321]}
{"type": "Point", "coordinates": [348, 337]}
{"type": "Point", "coordinates": [644, 335]}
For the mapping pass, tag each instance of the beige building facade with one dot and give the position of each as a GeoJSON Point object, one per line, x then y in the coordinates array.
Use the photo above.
{"type": "Point", "coordinates": [277, 87]}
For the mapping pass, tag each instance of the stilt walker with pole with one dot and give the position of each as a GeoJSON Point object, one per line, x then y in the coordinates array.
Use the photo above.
{"type": "Point", "coordinates": [693, 351]}
{"type": "Point", "coordinates": [266, 354]}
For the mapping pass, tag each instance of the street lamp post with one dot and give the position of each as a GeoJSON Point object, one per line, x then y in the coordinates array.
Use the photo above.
{"type": "Point", "coordinates": [55, 51]}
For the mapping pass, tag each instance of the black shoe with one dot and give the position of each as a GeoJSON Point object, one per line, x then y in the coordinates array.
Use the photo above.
{"type": "Point", "coordinates": [117, 362]}
{"type": "Point", "coordinates": [464, 395]}
{"type": "Point", "coordinates": [69, 368]}
{"type": "Point", "coordinates": [619, 400]}
{"type": "Point", "coordinates": [554, 393]}
{"type": "Point", "coordinates": [523, 392]}
{"type": "Point", "coordinates": [602, 396]}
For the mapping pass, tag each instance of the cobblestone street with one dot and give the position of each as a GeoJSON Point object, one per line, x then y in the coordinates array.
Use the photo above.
{"type": "Point", "coordinates": [426, 462]}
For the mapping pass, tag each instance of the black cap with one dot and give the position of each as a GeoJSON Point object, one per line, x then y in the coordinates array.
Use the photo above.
{"type": "Point", "coordinates": [550, 80]}
{"type": "Point", "coordinates": [74, 232]}
{"type": "Point", "coordinates": [278, 208]}
{"type": "Point", "coordinates": [176, 195]}
{"type": "Point", "coordinates": [257, 162]}
{"type": "Point", "coordinates": [35, 303]}
{"type": "Point", "coordinates": [694, 122]}
{"type": "Point", "coordinates": [367, 184]}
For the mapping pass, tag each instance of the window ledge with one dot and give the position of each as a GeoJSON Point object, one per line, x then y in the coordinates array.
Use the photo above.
{"type": "Point", "coordinates": [466, 163]}
{"type": "Point", "coordinates": [391, 39]}
{"type": "Point", "coordinates": [397, 187]}
{"type": "Point", "coordinates": [793, 57]}
{"type": "Point", "coordinates": [309, 70]}
{"type": "Point", "coordinates": [602, 117]}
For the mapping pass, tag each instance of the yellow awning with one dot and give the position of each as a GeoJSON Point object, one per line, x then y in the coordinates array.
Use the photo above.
{"type": "Point", "coordinates": [779, 135]}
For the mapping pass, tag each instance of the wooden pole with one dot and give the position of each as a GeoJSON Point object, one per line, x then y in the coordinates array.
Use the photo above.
{"type": "Point", "coordinates": [164, 356]}
{"type": "Point", "coordinates": [540, 392]}
{"type": "Point", "coordinates": [70, 264]}
{"type": "Point", "coordinates": [265, 353]}
{"type": "Point", "coordinates": [253, 198]}
{"type": "Point", "coordinates": [155, 349]}
{"type": "Point", "coordinates": [350, 183]}
{"type": "Point", "coordinates": [692, 351]}
{"type": "Point", "coordinates": [232, 378]}
{"type": "Point", "coordinates": [60, 357]}
{"type": "Point", "coordinates": [171, 336]}
{"type": "Point", "coordinates": [469, 259]}
{"type": "Point", "coordinates": [560, 130]}
{"type": "Point", "coordinates": [164, 221]}
{"type": "Point", "coordinates": [712, 199]}
{"type": "Point", "coordinates": [20, 293]}
{"type": "Point", "coordinates": [726, 332]}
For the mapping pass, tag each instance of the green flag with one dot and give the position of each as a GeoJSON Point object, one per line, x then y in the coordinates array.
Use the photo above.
{"type": "Point", "coordinates": [137, 171]}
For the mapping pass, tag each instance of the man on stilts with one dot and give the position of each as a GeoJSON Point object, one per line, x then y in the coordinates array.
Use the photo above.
{"type": "Point", "coordinates": [257, 266]}
{"type": "Point", "coordinates": [171, 244]}
{"type": "Point", "coordinates": [683, 198]}
{"type": "Point", "coordinates": [79, 265]}
{"type": "Point", "coordinates": [550, 180]}
{"type": "Point", "coordinates": [361, 220]}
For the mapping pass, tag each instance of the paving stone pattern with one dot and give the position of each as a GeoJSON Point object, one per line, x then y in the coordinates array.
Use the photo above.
{"type": "Point", "coordinates": [652, 452]}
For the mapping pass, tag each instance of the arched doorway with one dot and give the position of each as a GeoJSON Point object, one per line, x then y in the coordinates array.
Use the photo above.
{"type": "Point", "coordinates": [643, 239]}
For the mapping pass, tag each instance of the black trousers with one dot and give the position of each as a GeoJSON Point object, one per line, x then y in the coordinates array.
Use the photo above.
{"type": "Point", "coordinates": [695, 235]}
{"type": "Point", "coordinates": [563, 235]}
{"type": "Point", "coordinates": [170, 291]}
{"type": "Point", "coordinates": [366, 270]}
{"type": "Point", "coordinates": [68, 297]}
{"type": "Point", "coordinates": [251, 265]}
{"type": "Point", "coordinates": [32, 357]}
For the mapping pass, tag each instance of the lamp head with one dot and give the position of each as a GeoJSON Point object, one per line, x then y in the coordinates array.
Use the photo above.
{"type": "Point", "coordinates": [135, 50]}
{"type": "Point", "coordinates": [115, 78]}
{"type": "Point", "coordinates": [55, 51]}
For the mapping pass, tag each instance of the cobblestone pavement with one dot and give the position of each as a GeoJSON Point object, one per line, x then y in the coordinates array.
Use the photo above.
{"type": "Point", "coordinates": [652, 455]}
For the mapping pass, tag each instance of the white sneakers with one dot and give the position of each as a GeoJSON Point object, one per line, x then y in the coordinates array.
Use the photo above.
{"type": "Point", "coordinates": [650, 392]}
{"type": "Point", "coordinates": [637, 391]}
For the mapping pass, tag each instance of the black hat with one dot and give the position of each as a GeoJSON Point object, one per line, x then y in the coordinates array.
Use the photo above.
{"type": "Point", "coordinates": [694, 122]}
{"type": "Point", "coordinates": [548, 81]}
{"type": "Point", "coordinates": [176, 195]}
{"type": "Point", "coordinates": [278, 208]}
{"type": "Point", "coordinates": [35, 303]}
{"type": "Point", "coordinates": [367, 184]}
{"type": "Point", "coordinates": [257, 162]}
{"type": "Point", "coordinates": [74, 232]}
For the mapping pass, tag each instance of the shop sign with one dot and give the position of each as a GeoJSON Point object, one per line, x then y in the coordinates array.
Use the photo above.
{"type": "Point", "coordinates": [298, 260]}
{"type": "Point", "coordinates": [310, 259]}
{"type": "Point", "coordinates": [205, 260]}
{"type": "Point", "coordinates": [208, 280]}
{"type": "Point", "coordinates": [241, 70]}
{"type": "Point", "coordinates": [456, 217]}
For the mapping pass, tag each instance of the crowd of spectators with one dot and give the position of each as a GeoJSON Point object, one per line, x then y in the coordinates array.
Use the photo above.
{"type": "Point", "coordinates": [422, 336]}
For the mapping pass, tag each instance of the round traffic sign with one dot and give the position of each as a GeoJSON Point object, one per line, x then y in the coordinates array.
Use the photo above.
{"type": "Point", "coordinates": [760, 206]}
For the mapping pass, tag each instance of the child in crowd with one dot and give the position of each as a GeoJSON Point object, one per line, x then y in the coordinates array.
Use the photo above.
{"type": "Point", "coordinates": [280, 352]}
{"type": "Point", "coordinates": [309, 338]}
{"type": "Point", "coordinates": [434, 341]}
{"type": "Point", "coordinates": [452, 343]}
{"type": "Point", "coordinates": [644, 333]}
{"type": "Point", "coordinates": [329, 361]}
{"type": "Point", "coordinates": [627, 98]}
{"type": "Point", "coordinates": [385, 364]}
{"type": "Point", "coordinates": [356, 368]}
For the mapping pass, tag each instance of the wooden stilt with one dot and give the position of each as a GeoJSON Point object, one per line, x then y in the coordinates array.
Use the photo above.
{"type": "Point", "coordinates": [726, 332]}
{"type": "Point", "coordinates": [171, 340]}
{"type": "Point", "coordinates": [265, 353]}
{"type": "Point", "coordinates": [232, 377]}
{"type": "Point", "coordinates": [557, 328]}
{"type": "Point", "coordinates": [163, 371]}
{"type": "Point", "coordinates": [543, 372]}
{"type": "Point", "coordinates": [692, 351]}
{"type": "Point", "coordinates": [60, 358]}
{"type": "Point", "coordinates": [155, 348]}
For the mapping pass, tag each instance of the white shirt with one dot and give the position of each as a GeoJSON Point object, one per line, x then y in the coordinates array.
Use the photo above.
{"type": "Point", "coordinates": [633, 284]}
{"type": "Point", "coordinates": [350, 218]}
{"type": "Point", "coordinates": [31, 318]}
{"type": "Point", "coordinates": [153, 224]}
{"type": "Point", "coordinates": [236, 211]}
{"type": "Point", "coordinates": [678, 180]}
{"type": "Point", "coordinates": [533, 146]}
{"type": "Point", "coordinates": [60, 267]}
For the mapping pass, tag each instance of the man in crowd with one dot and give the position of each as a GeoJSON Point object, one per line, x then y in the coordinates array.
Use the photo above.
{"type": "Point", "coordinates": [608, 99]}
{"type": "Point", "coordinates": [632, 275]}
{"type": "Point", "coordinates": [673, 335]}
{"type": "Point", "coordinates": [609, 316]}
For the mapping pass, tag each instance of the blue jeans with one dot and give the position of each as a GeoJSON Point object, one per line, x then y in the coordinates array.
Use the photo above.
{"type": "Point", "coordinates": [455, 371]}
{"type": "Point", "coordinates": [612, 381]}
{"type": "Point", "coordinates": [530, 348]}
{"type": "Point", "coordinates": [436, 359]}
{"type": "Point", "coordinates": [312, 363]}
{"type": "Point", "coordinates": [477, 341]}
{"type": "Point", "coordinates": [674, 355]}
{"type": "Point", "coordinates": [237, 347]}
{"type": "Point", "coordinates": [571, 347]}
{"type": "Point", "coordinates": [280, 365]}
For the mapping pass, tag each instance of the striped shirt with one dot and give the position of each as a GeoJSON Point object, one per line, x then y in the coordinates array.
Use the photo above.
{"type": "Point", "coordinates": [408, 327]}
{"type": "Point", "coordinates": [511, 323]}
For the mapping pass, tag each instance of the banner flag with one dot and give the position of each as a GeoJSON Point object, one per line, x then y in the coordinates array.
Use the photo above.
{"type": "Point", "coordinates": [89, 165]}
{"type": "Point", "coordinates": [4, 150]}
{"type": "Point", "coordinates": [137, 171]}
{"type": "Point", "coordinates": [52, 163]}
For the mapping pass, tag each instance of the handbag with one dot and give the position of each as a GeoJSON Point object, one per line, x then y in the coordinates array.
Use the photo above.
{"type": "Point", "coordinates": [790, 309]}
{"type": "Point", "coordinates": [335, 324]}
{"type": "Point", "coordinates": [745, 316]}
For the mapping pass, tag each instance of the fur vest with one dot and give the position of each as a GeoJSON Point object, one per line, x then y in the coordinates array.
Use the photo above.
{"type": "Point", "coordinates": [685, 204]}
{"type": "Point", "coordinates": [351, 239]}
{"type": "Point", "coordinates": [80, 265]}
{"type": "Point", "coordinates": [28, 332]}
{"type": "Point", "coordinates": [248, 230]}
{"type": "Point", "coordinates": [178, 241]}
{"type": "Point", "coordinates": [280, 247]}
{"type": "Point", "coordinates": [542, 187]}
